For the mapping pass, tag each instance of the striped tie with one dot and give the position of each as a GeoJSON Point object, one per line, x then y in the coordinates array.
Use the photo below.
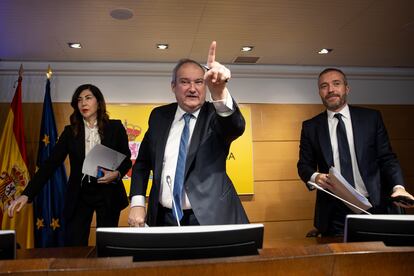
{"type": "Point", "coordinates": [180, 169]}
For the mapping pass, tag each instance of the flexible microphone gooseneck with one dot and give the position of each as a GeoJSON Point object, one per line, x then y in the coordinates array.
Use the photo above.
{"type": "Point", "coordinates": [168, 178]}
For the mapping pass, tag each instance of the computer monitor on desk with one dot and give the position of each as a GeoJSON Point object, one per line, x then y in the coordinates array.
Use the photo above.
{"type": "Point", "coordinates": [7, 244]}
{"type": "Point", "coordinates": [186, 242]}
{"type": "Point", "coordinates": [394, 230]}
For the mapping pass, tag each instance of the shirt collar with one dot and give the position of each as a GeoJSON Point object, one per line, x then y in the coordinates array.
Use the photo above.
{"type": "Point", "coordinates": [344, 112]}
{"type": "Point", "coordinates": [180, 112]}
{"type": "Point", "coordinates": [87, 125]}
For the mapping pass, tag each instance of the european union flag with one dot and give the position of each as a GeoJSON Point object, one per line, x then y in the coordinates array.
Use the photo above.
{"type": "Point", "coordinates": [48, 205]}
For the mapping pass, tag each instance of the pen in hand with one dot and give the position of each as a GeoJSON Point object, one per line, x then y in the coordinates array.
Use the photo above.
{"type": "Point", "coordinates": [208, 68]}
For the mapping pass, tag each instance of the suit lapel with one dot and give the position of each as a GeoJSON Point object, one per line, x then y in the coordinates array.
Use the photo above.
{"type": "Point", "coordinates": [165, 126]}
{"type": "Point", "coordinates": [80, 143]}
{"type": "Point", "coordinates": [324, 139]}
{"type": "Point", "coordinates": [358, 132]}
{"type": "Point", "coordinates": [196, 137]}
{"type": "Point", "coordinates": [107, 132]}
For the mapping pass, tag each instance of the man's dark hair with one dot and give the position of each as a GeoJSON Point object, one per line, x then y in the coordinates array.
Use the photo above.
{"type": "Point", "coordinates": [180, 63]}
{"type": "Point", "coordinates": [327, 70]}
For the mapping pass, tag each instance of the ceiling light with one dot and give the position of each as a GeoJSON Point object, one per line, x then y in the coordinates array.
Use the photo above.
{"type": "Point", "coordinates": [247, 48]}
{"type": "Point", "coordinates": [325, 51]}
{"type": "Point", "coordinates": [122, 14]}
{"type": "Point", "coordinates": [74, 45]}
{"type": "Point", "coordinates": [162, 46]}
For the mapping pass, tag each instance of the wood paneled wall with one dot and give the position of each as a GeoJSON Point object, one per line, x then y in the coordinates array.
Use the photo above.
{"type": "Point", "coordinates": [281, 200]}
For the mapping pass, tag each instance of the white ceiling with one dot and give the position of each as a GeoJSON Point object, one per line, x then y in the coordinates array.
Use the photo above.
{"type": "Point", "coordinates": [377, 33]}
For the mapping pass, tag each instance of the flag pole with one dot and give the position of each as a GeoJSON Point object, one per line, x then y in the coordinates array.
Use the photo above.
{"type": "Point", "coordinates": [49, 72]}
{"type": "Point", "coordinates": [21, 71]}
{"type": "Point", "coordinates": [20, 75]}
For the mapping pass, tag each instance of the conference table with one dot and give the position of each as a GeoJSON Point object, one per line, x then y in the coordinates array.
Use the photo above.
{"type": "Point", "coordinates": [310, 256]}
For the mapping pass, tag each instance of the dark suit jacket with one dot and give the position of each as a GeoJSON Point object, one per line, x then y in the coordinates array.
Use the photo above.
{"type": "Point", "coordinates": [378, 165]}
{"type": "Point", "coordinates": [114, 137]}
{"type": "Point", "coordinates": [211, 193]}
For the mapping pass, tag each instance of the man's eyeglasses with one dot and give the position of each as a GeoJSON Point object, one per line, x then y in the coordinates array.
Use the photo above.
{"type": "Point", "coordinates": [188, 82]}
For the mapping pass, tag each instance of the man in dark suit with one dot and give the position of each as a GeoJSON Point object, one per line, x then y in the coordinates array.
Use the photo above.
{"type": "Point", "coordinates": [207, 195]}
{"type": "Point", "coordinates": [373, 168]}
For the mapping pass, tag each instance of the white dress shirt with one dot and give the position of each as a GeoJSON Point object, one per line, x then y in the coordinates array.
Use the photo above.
{"type": "Point", "coordinates": [332, 124]}
{"type": "Point", "coordinates": [92, 137]}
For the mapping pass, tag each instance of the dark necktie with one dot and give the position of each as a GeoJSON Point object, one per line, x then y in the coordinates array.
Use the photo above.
{"type": "Point", "coordinates": [344, 152]}
{"type": "Point", "coordinates": [180, 169]}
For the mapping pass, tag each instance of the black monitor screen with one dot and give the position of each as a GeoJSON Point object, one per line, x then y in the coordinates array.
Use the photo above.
{"type": "Point", "coordinates": [395, 230]}
{"type": "Point", "coordinates": [7, 244]}
{"type": "Point", "coordinates": [186, 242]}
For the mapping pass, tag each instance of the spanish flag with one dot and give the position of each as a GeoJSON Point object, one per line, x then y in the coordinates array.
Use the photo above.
{"type": "Point", "coordinates": [14, 174]}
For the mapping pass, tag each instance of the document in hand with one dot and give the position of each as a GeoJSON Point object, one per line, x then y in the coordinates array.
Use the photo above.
{"type": "Point", "coordinates": [101, 156]}
{"type": "Point", "coordinates": [345, 191]}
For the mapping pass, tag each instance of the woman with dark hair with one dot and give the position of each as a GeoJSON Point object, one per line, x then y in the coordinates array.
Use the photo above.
{"type": "Point", "coordinates": [89, 125]}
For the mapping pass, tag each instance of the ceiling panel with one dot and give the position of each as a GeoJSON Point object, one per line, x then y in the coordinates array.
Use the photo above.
{"type": "Point", "coordinates": [361, 32]}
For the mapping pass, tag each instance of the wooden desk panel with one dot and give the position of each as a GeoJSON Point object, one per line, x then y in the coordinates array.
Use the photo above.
{"type": "Point", "coordinates": [381, 263]}
{"type": "Point", "coordinates": [370, 258]}
{"type": "Point", "coordinates": [57, 252]}
{"type": "Point", "coordinates": [24, 266]}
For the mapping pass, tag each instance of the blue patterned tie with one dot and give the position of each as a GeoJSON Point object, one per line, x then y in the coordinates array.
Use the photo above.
{"type": "Point", "coordinates": [344, 152]}
{"type": "Point", "coordinates": [180, 169]}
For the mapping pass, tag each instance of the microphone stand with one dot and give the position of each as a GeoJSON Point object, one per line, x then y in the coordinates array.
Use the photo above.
{"type": "Point", "coordinates": [168, 178]}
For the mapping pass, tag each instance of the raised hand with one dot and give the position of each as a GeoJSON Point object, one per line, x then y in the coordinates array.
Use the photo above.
{"type": "Point", "coordinates": [217, 75]}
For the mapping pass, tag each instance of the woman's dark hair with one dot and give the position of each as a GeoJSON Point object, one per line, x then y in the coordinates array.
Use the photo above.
{"type": "Point", "coordinates": [76, 119]}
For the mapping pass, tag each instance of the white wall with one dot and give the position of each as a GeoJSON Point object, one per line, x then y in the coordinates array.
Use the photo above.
{"type": "Point", "coordinates": [150, 82]}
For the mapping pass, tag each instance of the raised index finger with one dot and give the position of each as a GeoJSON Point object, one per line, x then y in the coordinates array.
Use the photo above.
{"type": "Point", "coordinates": [211, 54]}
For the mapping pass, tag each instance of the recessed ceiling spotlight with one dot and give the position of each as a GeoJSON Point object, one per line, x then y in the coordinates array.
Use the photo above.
{"type": "Point", "coordinates": [324, 51]}
{"type": "Point", "coordinates": [247, 48]}
{"type": "Point", "coordinates": [74, 45]}
{"type": "Point", "coordinates": [162, 46]}
{"type": "Point", "coordinates": [122, 14]}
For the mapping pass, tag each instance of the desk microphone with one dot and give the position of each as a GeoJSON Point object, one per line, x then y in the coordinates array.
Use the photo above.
{"type": "Point", "coordinates": [347, 202]}
{"type": "Point", "coordinates": [168, 178]}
